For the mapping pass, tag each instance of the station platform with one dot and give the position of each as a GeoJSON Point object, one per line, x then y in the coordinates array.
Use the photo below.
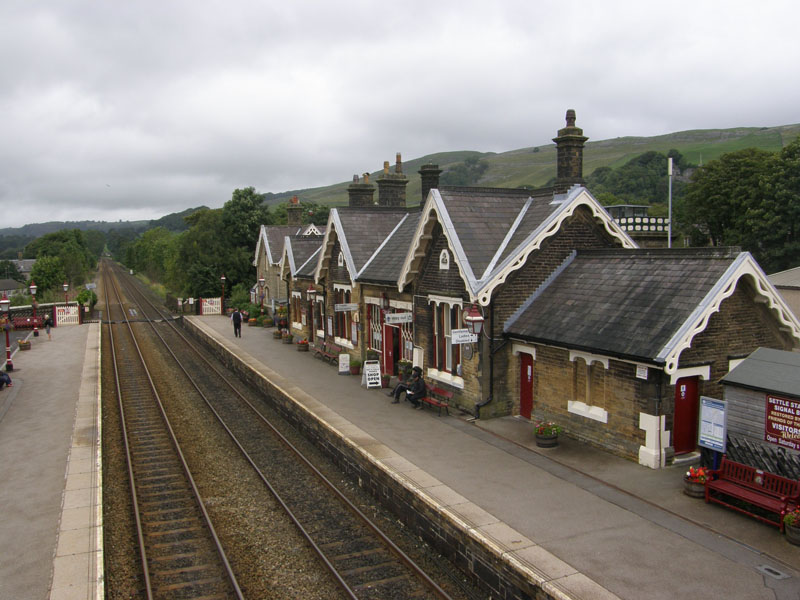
{"type": "Point", "coordinates": [50, 468]}
{"type": "Point", "coordinates": [599, 526]}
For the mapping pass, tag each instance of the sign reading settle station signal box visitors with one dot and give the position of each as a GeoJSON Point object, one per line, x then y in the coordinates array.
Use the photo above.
{"type": "Point", "coordinates": [782, 422]}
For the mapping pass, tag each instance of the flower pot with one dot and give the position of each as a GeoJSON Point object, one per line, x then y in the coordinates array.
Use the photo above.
{"type": "Point", "coordinates": [24, 344]}
{"type": "Point", "coordinates": [385, 382]}
{"type": "Point", "coordinates": [694, 489]}
{"type": "Point", "coordinates": [288, 339]}
{"type": "Point", "coordinates": [792, 534]}
{"type": "Point", "coordinates": [355, 370]}
{"type": "Point", "coordinates": [251, 322]}
{"type": "Point", "coordinates": [276, 334]}
{"type": "Point", "coordinates": [547, 441]}
{"type": "Point", "coordinates": [302, 347]}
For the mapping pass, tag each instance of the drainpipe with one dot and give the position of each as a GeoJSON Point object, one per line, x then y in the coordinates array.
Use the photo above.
{"type": "Point", "coordinates": [482, 403]}
{"type": "Point", "coordinates": [658, 416]}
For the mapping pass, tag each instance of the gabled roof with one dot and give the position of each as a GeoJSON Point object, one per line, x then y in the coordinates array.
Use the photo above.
{"type": "Point", "coordinates": [645, 305]}
{"type": "Point", "coordinates": [299, 256]}
{"type": "Point", "coordinates": [271, 240]}
{"type": "Point", "coordinates": [768, 370]}
{"type": "Point", "coordinates": [385, 264]}
{"type": "Point", "coordinates": [491, 231]}
{"type": "Point", "coordinates": [361, 232]}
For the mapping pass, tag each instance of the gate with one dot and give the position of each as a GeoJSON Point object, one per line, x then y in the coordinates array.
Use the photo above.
{"type": "Point", "coordinates": [210, 306]}
{"type": "Point", "coordinates": [68, 315]}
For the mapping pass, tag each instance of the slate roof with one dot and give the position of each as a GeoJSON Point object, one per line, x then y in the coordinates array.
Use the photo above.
{"type": "Point", "coordinates": [624, 303]}
{"type": "Point", "coordinates": [768, 370]}
{"type": "Point", "coordinates": [490, 230]}
{"type": "Point", "coordinates": [385, 264]}
{"type": "Point", "coordinates": [300, 251]}
{"type": "Point", "coordinates": [362, 230]}
{"type": "Point", "coordinates": [274, 236]}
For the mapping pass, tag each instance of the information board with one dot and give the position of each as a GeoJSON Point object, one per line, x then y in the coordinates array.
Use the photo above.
{"type": "Point", "coordinates": [782, 422]}
{"type": "Point", "coordinates": [713, 424]}
{"type": "Point", "coordinates": [345, 307]}
{"type": "Point", "coordinates": [372, 374]}
{"type": "Point", "coordinates": [344, 363]}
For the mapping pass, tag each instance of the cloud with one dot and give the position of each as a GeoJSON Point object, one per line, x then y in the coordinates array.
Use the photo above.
{"type": "Point", "coordinates": [176, 104]}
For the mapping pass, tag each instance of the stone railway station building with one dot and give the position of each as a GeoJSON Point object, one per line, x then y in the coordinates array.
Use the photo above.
{"type": "Point", "coordinates": [613, 342]}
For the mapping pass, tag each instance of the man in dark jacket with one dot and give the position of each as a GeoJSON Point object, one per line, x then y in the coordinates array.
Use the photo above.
{"type": "Point", "coordinates": [236, 317]}
{"type": "Point", "coordinates": [414, 389]}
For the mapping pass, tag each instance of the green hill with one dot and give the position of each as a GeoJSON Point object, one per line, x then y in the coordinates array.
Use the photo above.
{"type": "Point", "coordinates": [535, 166]}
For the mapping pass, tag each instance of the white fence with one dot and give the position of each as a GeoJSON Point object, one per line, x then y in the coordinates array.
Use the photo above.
{"type": "Point", "coordinates": [67, 315]}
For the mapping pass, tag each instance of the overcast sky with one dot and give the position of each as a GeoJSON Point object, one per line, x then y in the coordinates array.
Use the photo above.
{"type": "Point", "coordinates": [134, 110]}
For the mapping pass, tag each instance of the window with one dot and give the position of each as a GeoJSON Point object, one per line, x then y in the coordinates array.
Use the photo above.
{"type": "Point", "coordinates": [446, 355]}
{"type": "Point", "coordinates": [297, 309]}
{"type": "Point", "coordinates": [318, 307]}
{"type": "Point", "coordinates": [375, 334]}
{"type": "Point", "coordinates": [345, 328]}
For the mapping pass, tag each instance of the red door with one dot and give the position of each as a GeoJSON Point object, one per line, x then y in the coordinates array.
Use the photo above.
{"type": "Point", "coordinates": [388, 349]}
{"type": "Point", "coordinates": [686, 415]}
{"type": "Point", "coordinates": [525, 385]}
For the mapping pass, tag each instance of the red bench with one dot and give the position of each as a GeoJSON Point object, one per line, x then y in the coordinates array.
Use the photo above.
{"type": "Point", "coordinates": [769, 492]}
{"type": "Point", "coordinates": [328, 351]}
{"type": "Point", "coordinates": [436, 396]}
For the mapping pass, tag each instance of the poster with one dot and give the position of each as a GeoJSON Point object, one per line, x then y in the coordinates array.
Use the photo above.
{"type": "Point", "coordinates": [712, 434]}
{"type": "Point", "coordinates": [782, 422]}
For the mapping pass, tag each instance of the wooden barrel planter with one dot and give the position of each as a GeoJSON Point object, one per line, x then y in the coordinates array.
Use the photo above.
{"type": "Point", "coordinates": [547, 441]}
{"type": "Point", "coordinates": [693, 489]}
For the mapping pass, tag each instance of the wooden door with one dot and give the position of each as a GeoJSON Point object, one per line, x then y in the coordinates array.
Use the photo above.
{"type": "Point", "coordinates": [388, 349]}
{"type": "Point", "coordinates": [687, 408]}
{"type": "Point", "coordinates": [525, 385]}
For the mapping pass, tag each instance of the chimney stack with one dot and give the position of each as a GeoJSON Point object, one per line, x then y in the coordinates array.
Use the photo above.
{"type": "Point", "coordinates": [569, 152]}
{"type": "Point", "coordinates": [429, 174]}
{"type": "Point", "coordinates": [294, 213]}
{"type": "Point", "coordinates": [392, 186]}
{"type": "Point", "coordinates": [360, 194]}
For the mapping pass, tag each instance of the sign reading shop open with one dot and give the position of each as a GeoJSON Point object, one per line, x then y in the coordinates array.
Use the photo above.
{"type": "Point", "coordinates": [782, 422]}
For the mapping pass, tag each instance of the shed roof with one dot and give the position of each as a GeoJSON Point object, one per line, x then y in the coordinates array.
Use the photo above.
{"type": "Point", "coordinates": [769, 370]}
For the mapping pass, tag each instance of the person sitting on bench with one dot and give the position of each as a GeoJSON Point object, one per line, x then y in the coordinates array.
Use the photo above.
{"type": "Point", "coordinates": [5, 380]}
{"type": "Point", "coordinates": [414, 389]}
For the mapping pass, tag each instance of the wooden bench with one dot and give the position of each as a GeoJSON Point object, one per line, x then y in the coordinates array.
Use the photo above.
{"type": "Point", "coordinates": [328, 351]}
{"type": "Point", "coordinates": [767, 491]}
{"type": "Point", "coordinates": [436, 396]}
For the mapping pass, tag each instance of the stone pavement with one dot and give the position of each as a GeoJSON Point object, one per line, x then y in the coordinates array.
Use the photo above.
{"type": "Point", "coordinates": [625, 528]}
{"type": "Point", "coordinates": [50, 491]}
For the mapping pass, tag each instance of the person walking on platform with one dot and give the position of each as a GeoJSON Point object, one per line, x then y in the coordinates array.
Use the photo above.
{"type": "Point", "coordinates": [236, 317]}
{"type": "Point", "coordinates": [5, 380]}
{"type": "Point", "coordinates": [414, 389]}
{"type": "Point", "coordinates": [47, 324]}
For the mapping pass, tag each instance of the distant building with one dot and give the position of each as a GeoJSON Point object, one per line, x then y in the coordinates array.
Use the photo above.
{"type": "Point", "coordinates": [646, 231]}
{"type": "Point", "coordinates": [788, 285]}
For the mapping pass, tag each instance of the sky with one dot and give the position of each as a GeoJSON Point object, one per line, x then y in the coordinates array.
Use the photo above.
{"type": "Point", "coordinates": [134, 110]}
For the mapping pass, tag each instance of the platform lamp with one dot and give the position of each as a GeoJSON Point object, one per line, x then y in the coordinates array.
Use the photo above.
{"type": "Point", "coordinates": [261, 282]}
{"type": "Point", "coordinates": [65, 285]}
{"type": "Point", "coordinates": [473, 319]}
{"type": "Point", "coordinates": [222, 304]}
{"type": "Point", "coordinates": [5, 305]}
{"type": "Point", "coordinates": [33, 304]}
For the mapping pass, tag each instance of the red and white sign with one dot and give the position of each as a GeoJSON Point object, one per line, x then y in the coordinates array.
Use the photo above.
{"type": "Point", "coordinates": [782, 422]}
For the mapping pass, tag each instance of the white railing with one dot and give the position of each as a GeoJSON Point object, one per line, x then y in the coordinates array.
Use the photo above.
{"type": "Point", "coordinates": [644, 224]}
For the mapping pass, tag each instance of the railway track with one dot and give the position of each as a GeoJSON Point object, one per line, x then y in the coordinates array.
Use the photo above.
{"type": "Point", "coordinates": [362, 560]}
{"type": "Point", "coordinates": [180, 554]}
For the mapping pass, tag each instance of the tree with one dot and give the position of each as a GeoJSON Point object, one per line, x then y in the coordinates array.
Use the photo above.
{"type": "Point", "coordinates": [9, 270]}
{"type": "Point", "coordinates": [242, 217]}
{"type": "Point", "coordinates": [721, 192]}
{"type": "Point", "coordinates": [467, 173]}
{"type": "Point", "coordinates": [48, 273]}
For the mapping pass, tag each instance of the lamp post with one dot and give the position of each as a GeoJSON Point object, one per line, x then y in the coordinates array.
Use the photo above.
{"type": "Point", "coordinates": [473, 319]}
{"type": "Point", "coordinates": [5, 304]}
{"type": "Point", "coordinates": [261, 285]}
{"type": "Point", "coordinates": [33, 304]}
{"type": "Point", "coordinates": [222, 304]}
{"type": "Point", "coordinates": [65, 285]}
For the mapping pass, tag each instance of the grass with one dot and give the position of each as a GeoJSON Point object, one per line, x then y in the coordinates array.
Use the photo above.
{"type": "Point", "coordinates": [528, 166]}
